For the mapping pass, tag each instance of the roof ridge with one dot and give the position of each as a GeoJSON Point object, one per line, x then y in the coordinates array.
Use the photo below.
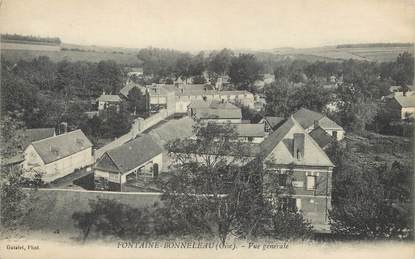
{"type": "Point", "coordinates": [67, 133]}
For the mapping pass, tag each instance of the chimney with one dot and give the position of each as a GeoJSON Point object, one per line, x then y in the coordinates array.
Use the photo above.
{"type": "Point", "coordinates": [63, 127]}
{"type": "Point", "coordinates": [298, 146]}
{"type": "Point", "coordinates": [316, 124]}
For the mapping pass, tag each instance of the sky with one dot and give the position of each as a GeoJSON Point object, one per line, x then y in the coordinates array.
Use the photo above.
{"type": "Point", "coordinates": [212, 24]}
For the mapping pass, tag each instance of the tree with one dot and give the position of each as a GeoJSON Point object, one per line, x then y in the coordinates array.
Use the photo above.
{"type": "Point", "coordinates": [15, 202]}
{"type": "Point", "coordinates": [208, 188]}
{"type": "Point", "coordinates": [279, 99]}
{"type": "Point", "coordinates": [370, 201]}
{"type": "Point", "coordinates": [116, 123]}
{"type": "Point", "coordinates": [137, 102]}
{"type": "Point", "coordinates": [112, 218]}
{"type": "Point", "coordinates": [220, 62]}
{"type": "Point", "coordinates": [403, 70]}
{"type": "Point", "coordinates": [244, 70]}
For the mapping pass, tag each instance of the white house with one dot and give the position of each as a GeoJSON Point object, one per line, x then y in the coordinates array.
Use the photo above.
{"type": "Point", "coordinates": [58, 156]}
{"type": "Point", "coordinates": [108, 100]}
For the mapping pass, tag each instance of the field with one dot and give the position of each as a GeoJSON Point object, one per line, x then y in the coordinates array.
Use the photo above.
{"type": "Point", "coordinates": [380, 54]}
{"type": "Point", "coordinates": [27, 51]}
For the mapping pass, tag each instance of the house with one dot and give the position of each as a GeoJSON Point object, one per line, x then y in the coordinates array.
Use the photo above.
{"type": "Point", "coordinates": [133, 164]}
{"type": "Point", "coordinates": [106, 101]}
{"type": "Point", "coordinates": [135, 71]}
{"type": "Point", "coordinates": [58, 156]}
{"type": "Point", "coordinates": [185, 96]}
{"type": "Point", "coordinates": [253, 133]}
{"type": "Point", "coordinates": [162, 97]}
{"type": "Point", "coordinates": [215, 111]}
{"type": "Point", "coordinates": [292, 157]}
{"type": "Point", "coordinates": [310, 119]}
{"type": "Point", "coordinates": [271, 123]}
{"type": "Point", "coordinates": [403, 103]}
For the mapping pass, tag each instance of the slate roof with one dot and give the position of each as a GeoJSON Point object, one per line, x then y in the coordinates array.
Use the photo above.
{"type": "Point", "coordinates": [405, 101]}
{"type": "Point", "coordinates": [172, 130]}
{"type": "Point", "coordinates": [31, 135]}
{"type": "Point", "coordinates": [274, 121]}
{"type": "Point", "coordinates": [109, 98]}
{"type": "Point", "coordinates": [250, 130]}
{"type": "Point", "coordinates": [209, 113]}
{"type": "Point", "coordinates": [321, 137]}
{"type": "Point", "coordinates": [129, 155]}
{"type": "Point", "coordinates": [61, 146]}
{"type": "Point", "coordinates": [214, 104]}
{"type": "Point", "coordinates": [306, 118]}
{"type": "Point", "coordinates": [278, 147]}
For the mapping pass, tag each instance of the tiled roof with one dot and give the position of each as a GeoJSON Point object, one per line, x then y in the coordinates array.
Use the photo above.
{"type": "Point", "coordinates": [321, 137]}
{"type": "Point", "coordinates": [306, 118]}
{"type": "Point", "coordinates": [274, 121]}
{"type": "Point", "coordinates": [129, 155]}
{"type": "Point", "coordinates": [58, 147]}
{"type": "Point", "coordinates": [405, 101]}
{"type": "Point", "coordinates": [31, 135]}
{"type": "Point", "coordinates": [109, 98]}
{"type": "Point", "coordinates": [250, 130]}
{"type": "Point", "coordinates": [278, 147]}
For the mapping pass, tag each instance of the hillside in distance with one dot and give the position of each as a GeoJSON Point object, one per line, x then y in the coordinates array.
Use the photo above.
{"type": "Point", "coordinates": [14, 51]}
{"type": "Point", "coordinates": [381, 52]}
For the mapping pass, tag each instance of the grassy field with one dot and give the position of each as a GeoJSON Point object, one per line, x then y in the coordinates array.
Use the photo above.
{"type": "Point", "coordinates": [380, 54]}
{"type": "Point", "coordinates": [54, 208]}
{"type": "Point", "coordinates": [24, 54]}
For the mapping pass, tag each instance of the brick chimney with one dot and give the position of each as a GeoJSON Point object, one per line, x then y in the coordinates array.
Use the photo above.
{"type": "Point", "coordinates": [298, 146]}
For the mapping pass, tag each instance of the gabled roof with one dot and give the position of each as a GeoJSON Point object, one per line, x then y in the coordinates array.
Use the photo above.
{"type": "Point", "coordinates": [129, 155]}
{"type": "Point", "coordinates": [278, 147]}
{"type": "Point", "coordinates": [321, 137]}
{"type": "Point", "coordinates": [31, 135]}
{"type": "Point", "coordinates": [274, 121]}
{"type": "Point", "coordinates": [58, 147]}
{"type": "Point", "coordinates": [405, 101]}
{"type": "Point", "coordinates": [306, 119]}
{"type": "Point", "coordinates": [250, 130]}
{"type": "Point", "coordinates": [109, 98]}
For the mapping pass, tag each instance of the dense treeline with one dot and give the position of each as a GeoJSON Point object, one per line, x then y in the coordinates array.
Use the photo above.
{"type": "Point", "coordinates": [37, 39]}
{"type": "Point", "coordinates": [166, 65]}
{"type": "Point", "coordinates": [45, 92]}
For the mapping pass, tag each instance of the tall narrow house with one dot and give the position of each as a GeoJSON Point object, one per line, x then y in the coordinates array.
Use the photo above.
{"type": "Point", "coordinates": [296, 163]}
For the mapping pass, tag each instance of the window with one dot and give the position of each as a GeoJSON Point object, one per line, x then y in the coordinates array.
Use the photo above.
{"type": "Point", "coordinates": [282, 180]}
{"type": "Point", "coordinates": [334, 133]}
{"type": "Point", "coordinates": [155, 171]}
{"type": "Point", "coordinates": [311, 182]}
{"type": "Point", "coordinates": [250, 139]}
